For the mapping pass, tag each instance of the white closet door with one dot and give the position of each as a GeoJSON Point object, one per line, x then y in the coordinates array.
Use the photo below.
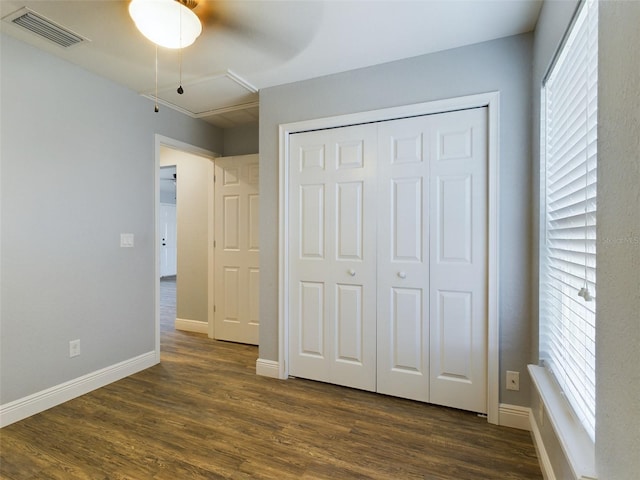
{"type": "Point", "coordinates": [403, 259]}
{"type": "Point", "coordinates": [458, 259]}
{"type": "Point", "coordinates": [332, 223]}
{"type": "Point", "coordinates": [237, 273]}
{"type": "Point", "coordinates": [388, 263]}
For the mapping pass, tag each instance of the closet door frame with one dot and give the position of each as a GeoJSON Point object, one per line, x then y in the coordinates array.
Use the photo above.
{"type": "Point", "coordinates": [491, 100]}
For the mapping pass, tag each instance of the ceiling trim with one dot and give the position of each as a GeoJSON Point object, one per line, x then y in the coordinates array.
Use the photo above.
{"type": "Point", "coordinates": [233, 108]}
{"type": "Point", "coordinates": [241, 81]}
{"type": "Point", "coordinates": [237, 79]}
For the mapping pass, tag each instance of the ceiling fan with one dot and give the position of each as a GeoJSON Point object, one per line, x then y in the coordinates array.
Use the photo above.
{"type": "Point", "coordinates": [177, 24]}
{"type": "Point", "coordinates": [167, 23]}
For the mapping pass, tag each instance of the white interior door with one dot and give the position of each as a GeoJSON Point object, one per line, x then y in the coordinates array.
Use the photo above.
{"type": "Point", "coordinates": [236, 260]}
{"type": "Point", "coordinates": [333, 248]}
{"type": "Point", "coordinates": [168, 240]}
{"type": "Point", "coordinates": [403, 259]}
{"type": "Point", "coordinates": [458, 259]}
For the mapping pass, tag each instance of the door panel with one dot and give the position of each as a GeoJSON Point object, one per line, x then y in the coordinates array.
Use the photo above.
{"type": "Point", "coordinates": [455, 239]}
{"type": "Point", "coordinates": [406, 329]}
{"type": "Point", "coordinates": [349, 323]}
{"type": "Point", "coordinates": [455, 341]}
{"type": "Point", "coordinates": [231, 222]}
{"type": "Point", "coordinates": [312, 219]}
{"type": "Point", "coordinates": [407, 219]}
{"type": "Point", "coordinates": [311, 332]}
{"type": "Point", "coordinates": [332, 241]}
{"type": "Point", "coordinates": [403, 259]}
{"type": "Point", "coordinates": [349, 209]}
{"type": "Point", "coordinates": [458, 275]}
{"type": "Point", "coordinates": [236, 261]}
{"type": "Point", "coordinates": [254, 222]}
{"type": "Point", "coordinates": [231, 296]}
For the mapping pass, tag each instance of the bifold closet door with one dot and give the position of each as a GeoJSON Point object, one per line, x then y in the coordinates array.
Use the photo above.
{"type": "Point", "coordinates": [458, 259]}
{"type": "Point", "coordinates": [388, 257]}
{"type": "Point", "coordinates": [403, 258]}
{"type": "Point", "coordinates": [332, 274]}
{"type": "Point", "coordinates": [432, 251]}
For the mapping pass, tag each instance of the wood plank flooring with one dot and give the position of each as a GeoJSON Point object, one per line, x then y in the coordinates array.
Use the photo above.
{"type": "Point", "coordinates": [204, 414]}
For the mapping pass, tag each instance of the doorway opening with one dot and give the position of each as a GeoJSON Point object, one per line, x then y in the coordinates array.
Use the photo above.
{"type": "Point", "coordinates": [184, 237]}
{"type": "Point", "coordinates": [168, 246]}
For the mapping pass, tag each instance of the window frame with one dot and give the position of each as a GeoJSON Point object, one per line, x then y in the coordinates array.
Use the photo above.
{"type": "Point", "coordinates": [581, 409]}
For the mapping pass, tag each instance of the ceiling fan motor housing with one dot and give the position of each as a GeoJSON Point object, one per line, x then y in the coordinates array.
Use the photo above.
{"type": "Point", "coordinates": [189, 3]}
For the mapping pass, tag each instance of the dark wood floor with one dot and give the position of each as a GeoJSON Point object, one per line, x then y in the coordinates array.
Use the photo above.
{"type": "Point", "coordinates": [204, 414]}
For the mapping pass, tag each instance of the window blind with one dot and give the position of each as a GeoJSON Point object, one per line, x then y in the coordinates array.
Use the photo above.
{"type": "Point", "coordinates": [568, 250]}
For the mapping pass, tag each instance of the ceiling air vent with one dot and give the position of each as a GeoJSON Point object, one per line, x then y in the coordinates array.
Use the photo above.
{"type": "Point", "coordinates": [44, 27]}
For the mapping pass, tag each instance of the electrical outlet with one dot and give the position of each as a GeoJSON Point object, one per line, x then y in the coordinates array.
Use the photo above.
{"type": "Point", "coordinates": [74, 348]}
{"type": "Point", "coordinates": [513, 380]}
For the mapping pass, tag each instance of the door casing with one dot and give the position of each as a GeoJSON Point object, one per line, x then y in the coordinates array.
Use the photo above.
{"type": "Point", "coordinates": [491, 100]}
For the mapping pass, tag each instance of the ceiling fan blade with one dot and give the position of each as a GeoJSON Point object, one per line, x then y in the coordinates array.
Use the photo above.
{"type": "Point", "coordinates": [264, 25]}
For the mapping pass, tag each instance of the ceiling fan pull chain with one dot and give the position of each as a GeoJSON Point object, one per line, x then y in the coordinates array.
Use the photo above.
{"type": "Point", "coordinates": [180, 89]}
{"type": "Point", "coordinates": [156, 109]}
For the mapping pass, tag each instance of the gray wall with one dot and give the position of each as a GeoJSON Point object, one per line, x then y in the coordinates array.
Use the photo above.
{"type": "Point", "coordinates": [78, 168]}
{"type": "Point", "coordinates": [503, 65]}
{"type": "Point", "coordinates": [618, 229]}
{"type": "Point", "coordinates": [242, 140]}
{"type": "Point", "coordinates": [618, 248]}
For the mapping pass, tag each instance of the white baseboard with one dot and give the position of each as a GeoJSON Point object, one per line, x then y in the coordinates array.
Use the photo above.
{"type": "Point", "coordinates": [194, 326]}
{"type": "Point", "coordinates": [543, 456]}
{"type": "Point", "coordinates": [267, 368]}
{"type": "Point", "coordinates": [514, 416]}
{"type": "Point", "coordinates": [40, 401]}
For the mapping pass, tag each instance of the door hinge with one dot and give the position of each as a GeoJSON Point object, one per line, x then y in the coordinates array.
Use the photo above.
{"type": "Point", "coordinates": [214, 309]}
{"type": "Point", "coordinates": [214, 244]}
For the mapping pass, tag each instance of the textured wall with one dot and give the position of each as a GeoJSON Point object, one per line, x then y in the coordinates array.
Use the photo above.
{"type": "Point", "coordinates": [618, 233]}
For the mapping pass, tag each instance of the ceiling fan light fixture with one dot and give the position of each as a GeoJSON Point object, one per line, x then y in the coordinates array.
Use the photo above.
{"type": "Point", "coordinates": [167, 23]}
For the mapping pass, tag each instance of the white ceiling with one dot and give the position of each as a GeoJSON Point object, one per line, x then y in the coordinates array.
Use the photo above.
{"type": "Point", "coordinates": [247, 45]}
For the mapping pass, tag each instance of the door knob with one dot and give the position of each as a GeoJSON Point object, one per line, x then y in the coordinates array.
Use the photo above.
{"type": "Point", "coordinates": [352, 272]}
{"type": "Point", "coordinates": [402, 274]}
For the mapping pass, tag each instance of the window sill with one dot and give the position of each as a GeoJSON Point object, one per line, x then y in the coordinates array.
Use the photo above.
{"type": "Point", "coordinates": [577, 446]}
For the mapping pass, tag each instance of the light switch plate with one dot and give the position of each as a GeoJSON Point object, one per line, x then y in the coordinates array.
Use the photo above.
{"type": "Point", "coordinates": [126, 240]}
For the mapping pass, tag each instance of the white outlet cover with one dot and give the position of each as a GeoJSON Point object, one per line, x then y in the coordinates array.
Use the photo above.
{"type": "Point", "coordinates": [74, 348]}
{"type": "Point", "coordinates": [513, 380]}
{"type": "Point", "coordinates": [126, 240]}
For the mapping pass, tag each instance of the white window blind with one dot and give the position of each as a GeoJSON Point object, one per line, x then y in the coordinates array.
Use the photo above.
{"type": "Point", "coordinates": [568, 249]}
